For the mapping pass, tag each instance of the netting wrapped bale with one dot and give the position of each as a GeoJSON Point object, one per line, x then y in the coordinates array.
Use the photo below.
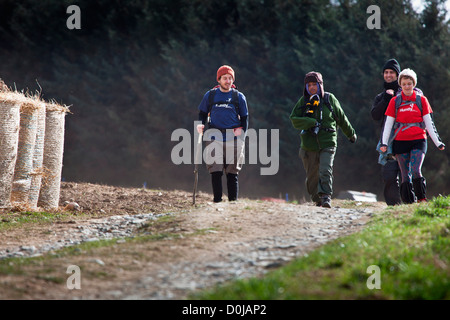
{"type": "Point", "coordinates": [53, 156]}
{"type": "Point", "coordinates": [24, 162]}
{"type": "Point", "coordinates": [38, 156]}
{"type": "Point", "coordinates": [10, 103]}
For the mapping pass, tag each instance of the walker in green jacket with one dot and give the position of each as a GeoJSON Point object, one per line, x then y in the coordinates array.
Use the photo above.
{"type": "Point", "coordinates": [318, 114]}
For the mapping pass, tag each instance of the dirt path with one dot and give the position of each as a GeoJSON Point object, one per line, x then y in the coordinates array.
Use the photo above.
{"type": "Point", "coordinates": [197, 246]}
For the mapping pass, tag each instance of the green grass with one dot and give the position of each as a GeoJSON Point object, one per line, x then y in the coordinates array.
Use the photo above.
{"type": "Point", "coordinates": [21, 219]}
{"type": "Point", "coordinates": [410, 244]}
{"type": "Point", "coordinates": [15, 219]}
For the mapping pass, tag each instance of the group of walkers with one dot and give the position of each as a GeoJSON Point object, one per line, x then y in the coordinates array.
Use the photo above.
{"type": "Point", "coordinates": [404, 114]}
{"type": "Point", "coordinates": [406, 117]}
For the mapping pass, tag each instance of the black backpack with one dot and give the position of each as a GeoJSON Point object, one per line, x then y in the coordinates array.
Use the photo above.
{"type": "Point", "coordinates": [234, 99]}
{"type": "Point", "coordinates": [326, 100]}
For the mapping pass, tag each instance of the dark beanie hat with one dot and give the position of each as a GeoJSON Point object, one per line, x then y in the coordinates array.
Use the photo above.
{"type": "Point", "coordinates": [393, 65]}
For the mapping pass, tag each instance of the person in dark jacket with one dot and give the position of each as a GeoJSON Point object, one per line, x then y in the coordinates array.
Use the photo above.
{"type": "Point", "coordinates": [318, 123]}
{"type": "Point", "coordinates": [390, 170]}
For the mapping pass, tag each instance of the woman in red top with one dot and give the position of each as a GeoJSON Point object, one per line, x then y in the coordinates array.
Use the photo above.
{"type": "Point", "coordinates": [410, 138]}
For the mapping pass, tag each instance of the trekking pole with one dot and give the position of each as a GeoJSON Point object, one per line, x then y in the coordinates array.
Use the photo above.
{"type": "Point", "coordinates": [199, 148]}
{"type": "Point", "coordinates": [240, 157]}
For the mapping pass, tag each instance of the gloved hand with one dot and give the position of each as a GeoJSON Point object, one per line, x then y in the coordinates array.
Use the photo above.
{"type": "Point", "coordinates": [353, 138]}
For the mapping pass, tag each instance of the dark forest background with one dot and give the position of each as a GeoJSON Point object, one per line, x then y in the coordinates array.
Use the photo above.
{"type": "Point", "coordinates": [137, 70]}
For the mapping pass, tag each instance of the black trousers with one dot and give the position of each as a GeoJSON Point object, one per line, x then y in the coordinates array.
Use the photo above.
{"type": "Point", "coordinates": [232, 186]}
{"type": "Point", "coordinates": [390, 172]}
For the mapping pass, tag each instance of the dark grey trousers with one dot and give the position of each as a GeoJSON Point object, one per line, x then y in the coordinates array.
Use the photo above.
{"type": "Point", "coordinates": [319, 171]}
{"type": "Point", "coordinates": [390, 172]}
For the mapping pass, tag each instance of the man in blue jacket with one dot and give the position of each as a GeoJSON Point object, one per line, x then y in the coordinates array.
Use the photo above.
{"type": "Point", "coordinates": [226, 109]}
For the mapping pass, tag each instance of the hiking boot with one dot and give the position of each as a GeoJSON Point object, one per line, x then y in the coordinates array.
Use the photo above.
{"type": "Point", "coordinates": [326, 201]}
{"type": "Point", "coordinates": [407, 193]}
{"type": "Point", "coordinates": [420, 188]}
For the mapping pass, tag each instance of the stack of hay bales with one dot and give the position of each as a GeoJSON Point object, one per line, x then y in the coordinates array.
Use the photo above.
{"type": "Point", "coordinates": [31, 151]}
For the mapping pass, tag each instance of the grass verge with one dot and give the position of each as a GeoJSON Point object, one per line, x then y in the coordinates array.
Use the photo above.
{"type": "Point", "coordinates": [402, 254]}
{"type": "Point", "coordinates": [20, 219]}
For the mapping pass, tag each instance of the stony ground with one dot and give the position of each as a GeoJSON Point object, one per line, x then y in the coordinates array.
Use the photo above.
{"type": "Point", "coordinates": [161, 246]}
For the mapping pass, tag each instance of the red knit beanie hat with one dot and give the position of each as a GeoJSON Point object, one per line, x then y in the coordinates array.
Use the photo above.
{"type": "Point", "coordinates": [225, 70]}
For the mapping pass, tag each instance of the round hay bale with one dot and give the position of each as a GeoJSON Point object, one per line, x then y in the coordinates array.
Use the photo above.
{"type": "Point", "coordinates": [53, 156]}
{"type": "Point", "coordinates": [38, 156]}
{"type": "Point", "coordinates": [10, 103]}
{"type": "Point", "coordinates": [24, 162]}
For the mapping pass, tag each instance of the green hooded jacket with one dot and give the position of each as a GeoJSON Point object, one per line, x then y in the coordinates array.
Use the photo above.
{"type": "Point", "coordinates": [327, 134]}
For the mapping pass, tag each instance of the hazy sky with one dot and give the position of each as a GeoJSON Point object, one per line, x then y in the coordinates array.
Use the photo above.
{"type": "Point", "coordinates": [419, 4]}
